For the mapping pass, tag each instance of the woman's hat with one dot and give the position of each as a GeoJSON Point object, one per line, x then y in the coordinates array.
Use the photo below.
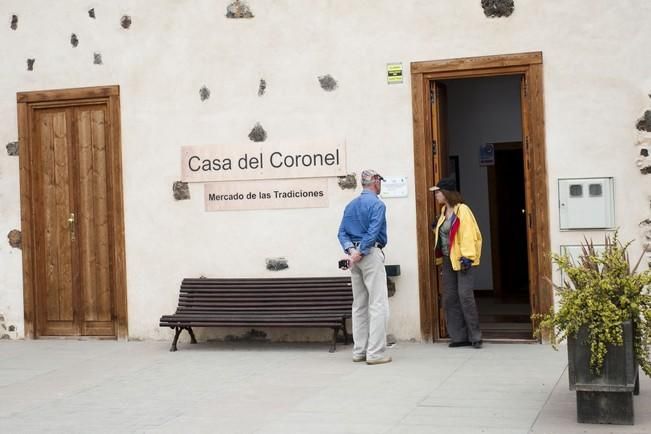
{"type": "Point", "coordinates": [448, 184]}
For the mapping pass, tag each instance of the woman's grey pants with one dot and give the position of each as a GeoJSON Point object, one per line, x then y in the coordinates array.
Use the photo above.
{"type": "Point", "coordinates": [459, 304]}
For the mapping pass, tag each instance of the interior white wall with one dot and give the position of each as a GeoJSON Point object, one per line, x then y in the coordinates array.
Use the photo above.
{"type": "Point", "coordinates": [481, 110]}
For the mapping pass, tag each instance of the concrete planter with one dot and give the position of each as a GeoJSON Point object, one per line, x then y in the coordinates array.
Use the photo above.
{"type": "Point", "coordinates": [607, 398]}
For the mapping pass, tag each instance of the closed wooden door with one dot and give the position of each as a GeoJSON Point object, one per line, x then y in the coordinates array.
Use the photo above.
{"type": "Point", "coordinates": [77, 268]}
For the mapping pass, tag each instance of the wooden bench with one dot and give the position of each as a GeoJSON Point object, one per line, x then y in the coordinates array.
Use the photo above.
{"type": "Point", "coordinates": [286, 302]}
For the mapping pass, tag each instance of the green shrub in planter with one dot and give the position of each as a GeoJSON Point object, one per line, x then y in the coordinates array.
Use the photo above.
{"type": "Point", "coordinates": [600, 292]}
{"type": "Point", "coordinates": [604, 312]}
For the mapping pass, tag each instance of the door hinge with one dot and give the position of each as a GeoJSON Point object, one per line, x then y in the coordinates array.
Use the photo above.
{"type": "Point", "coordinates": [433, 147]}
{"type": "Point", "coordinates": [525, 86]}
{"type": "Point", "coordinates": [432, 94]}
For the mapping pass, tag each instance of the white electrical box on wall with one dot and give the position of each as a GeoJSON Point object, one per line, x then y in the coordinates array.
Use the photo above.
{"type": "Point", "coordinates": [586, 203]}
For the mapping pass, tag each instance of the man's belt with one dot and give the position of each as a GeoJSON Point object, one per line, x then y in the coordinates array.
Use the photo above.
{"type": "Point", "coordinates": [376, 244]}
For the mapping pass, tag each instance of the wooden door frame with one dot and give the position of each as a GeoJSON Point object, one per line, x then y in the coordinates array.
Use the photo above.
{"type": "Point", "coordinates": [528, 65]}
{"type": "Point", "coordinates": [27, 103]}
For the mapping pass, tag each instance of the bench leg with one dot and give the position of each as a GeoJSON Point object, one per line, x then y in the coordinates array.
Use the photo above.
{"type": "Point", "coordinates": [333, 345]}
{"type": "Point", "coordinates": [193, 340]}
{"type": "Point", "coordinates": [176, 338]}
{"type": "Point", "coordinates": [343, 322]}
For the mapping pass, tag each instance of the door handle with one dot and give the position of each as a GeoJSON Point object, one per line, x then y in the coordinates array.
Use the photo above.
{"type": "Point", "coordinates": [71, 224]}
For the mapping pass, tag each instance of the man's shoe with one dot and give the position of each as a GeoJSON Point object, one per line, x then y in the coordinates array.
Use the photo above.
{"type": "Point", "coordinates": [385, 359]}
{"type": "Point", "coordinates": [459, 344]}
{"type": "Point", "coordinates": [361, 358]}
{"type": "Point", "coordinates": [477, 344]}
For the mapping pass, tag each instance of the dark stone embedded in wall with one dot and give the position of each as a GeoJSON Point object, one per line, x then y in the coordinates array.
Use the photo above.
{"type": "Point", "coordinates": [181, 190]}
{"type": "Point", "coordinates": [347, 182]}
{"type": "Point", "coordinates": [97, 58]}
{"type": "Point", "coordinates": [258, 134]}
{"type": "Point", "coordinates": [74, 40]}
{"type": "Point", "coordinates": [125, 21]}
{"type": "Point", "coordinates": [14, 22]}
{"type": "Point", "coordinates": [204, 93]}
{"type": "Point", "coordinates": [645, 231]}
{"type": "Point", "coordinates": [262, 87]}
{"type": "Point", "coordinates": [12, 149]}
{"type": "Point", "coordinates": [276, 264]}
{"type": "Point", "coordinates": [644, 123]}
{"type": "Point", "coordinates": [238, 9]}
{"type": "Point", "coordinates": [643, 161]}
{"type": "Point", "coordinates": [327, 83]}
{"type": "Point", "coordinates": [391, 288]}
{"type": "Point", "coordinates": [15, 238]}
{"type": "Point", "coordinates": [91, 13]}
{"type": "Point", "coordinates": [497, 8]}
{"type": "Point", "coordinates": [30, 64]}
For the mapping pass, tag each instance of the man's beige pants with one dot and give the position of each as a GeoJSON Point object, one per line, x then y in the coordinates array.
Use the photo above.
{"type": "Point", "coordinates": [370, 306]}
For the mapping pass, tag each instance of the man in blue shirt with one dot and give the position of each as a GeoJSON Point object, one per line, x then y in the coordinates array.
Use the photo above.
{"type": "Point", "coordinates": [362, 235]}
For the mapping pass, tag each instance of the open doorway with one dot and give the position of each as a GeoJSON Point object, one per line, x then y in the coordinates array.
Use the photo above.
{"type": "Point", "coordinates": [480, 131]}
{"type": "Point", "coordinates": [481, 119]}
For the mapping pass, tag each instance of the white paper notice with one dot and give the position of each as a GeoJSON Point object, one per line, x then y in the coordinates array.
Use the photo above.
{"type": "Point", "coordinates": [267, 194]}
{"type": "Point", "coordinates": [394, 186]}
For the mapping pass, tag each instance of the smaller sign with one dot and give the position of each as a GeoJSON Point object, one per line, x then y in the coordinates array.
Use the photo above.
{"type": "Point", "coordinates": [266, 194]}
{"type": "Point", "coordinates": [394, 73]}
{"type": "Point", "coordinates": [487, 154]}
{"type": "Point", "coordinates": [394, 186]}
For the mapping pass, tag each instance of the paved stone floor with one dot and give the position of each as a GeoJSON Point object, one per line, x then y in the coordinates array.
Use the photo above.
{"type": "Point", "coordinates": [53, 386]}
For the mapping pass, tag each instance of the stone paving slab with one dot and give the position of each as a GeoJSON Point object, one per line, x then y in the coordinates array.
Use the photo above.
{"type": "Point", "coordinates": [59, 386]}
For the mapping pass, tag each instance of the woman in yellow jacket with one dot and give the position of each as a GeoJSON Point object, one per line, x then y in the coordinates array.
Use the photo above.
{"type": "Point", "coordinates": [458, 250]}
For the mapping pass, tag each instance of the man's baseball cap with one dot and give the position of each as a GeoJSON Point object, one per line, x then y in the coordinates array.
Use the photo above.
{"type": "Point", "coordinates": [369, 175]}
{"type": "Point", "coordinates": [447, 184]}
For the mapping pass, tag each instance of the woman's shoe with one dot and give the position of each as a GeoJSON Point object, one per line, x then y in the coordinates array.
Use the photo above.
{"type": "Point", "coordinates": [477, 344]}
{"type": "Point", "coordinates": [459, 344]}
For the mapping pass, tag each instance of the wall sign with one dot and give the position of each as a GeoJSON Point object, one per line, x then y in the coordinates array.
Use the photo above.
{"type": "Point", "coordinates": [394, 73]}
{"type": "Point", "coordinates": [394, 186]}
{"type": "Point", "coordinates": [261, 161]}
{"type": "Point", "coordinates": [487, 154]}
{"type": "Point", "coordinates": [271, 194]}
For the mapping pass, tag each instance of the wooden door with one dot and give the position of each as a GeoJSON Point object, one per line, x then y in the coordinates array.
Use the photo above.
{"type": "Point", "coordinates": [72, 211]}
{"type": "Point", "coordinates": [508, 222]}
{"type": "Point", "coordinates": [422, 74]}
{"type": "Point", "coordinates": [439, 107]}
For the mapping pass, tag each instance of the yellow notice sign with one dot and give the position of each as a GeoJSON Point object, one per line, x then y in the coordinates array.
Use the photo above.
{"type": "Point", "coordinates": [394, 73]}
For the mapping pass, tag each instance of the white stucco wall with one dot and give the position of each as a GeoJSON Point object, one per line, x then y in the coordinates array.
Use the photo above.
{"type": "Point", "coordinates": [596, 78]}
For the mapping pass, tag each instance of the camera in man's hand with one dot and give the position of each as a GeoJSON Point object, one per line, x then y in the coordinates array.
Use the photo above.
{"type": "Point", "coordinates": [344, 264]}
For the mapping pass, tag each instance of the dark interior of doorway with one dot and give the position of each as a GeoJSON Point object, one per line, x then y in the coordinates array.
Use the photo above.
{"type": "Point", "coordinates": [483, 111]}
